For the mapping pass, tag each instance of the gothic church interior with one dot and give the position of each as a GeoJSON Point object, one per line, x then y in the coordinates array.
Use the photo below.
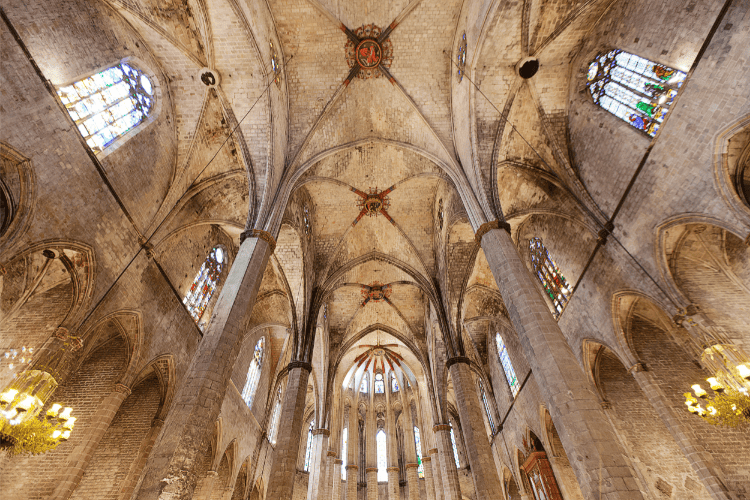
{"type": "Point", "coordinates": [362, 249]}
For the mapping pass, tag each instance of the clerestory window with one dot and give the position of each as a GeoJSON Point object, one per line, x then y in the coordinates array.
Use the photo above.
{"type": "Point", "coordinates": [382, 456]}
{"type": "Point", "coordinates": [274, 423]}
{"type": "Point", "coordinates": [253, 373]}
{"type": "Point", "coordinates": [486, 404]}
{"type": "Point", "coordinates": [510, 373]}
{"type": "Point", "coordinates": [205, 282]}
{"type": "Point", "coordinates": [634, 89]}
{"type": "Point", "coordinates": [308, 450]}
{"type": "Point", "coordinates": [379, 385]}
{"type": "Point", "coordinates": [555, 285]}
{"type": "Point", "coordinates": [394, 383]}
{"type": "Point", "coordinates": [110, 103]}
{"type": "Point", "coordinates": [418, 445]}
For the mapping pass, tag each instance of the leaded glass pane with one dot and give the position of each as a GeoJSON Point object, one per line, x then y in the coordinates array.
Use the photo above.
{"type": "Point", "coordinates": [487, 407]}
{"type": "Point", "coordinates": [205, 282]}
{"type": "Point", "coordinates": [379, 385]}
{"type": "Point", "coordinates": [510, 373]}
{"type": "Point", "coordinates": [394, 383]}
{"type": "Point", "coordinates": [418, 444]}
{"type": "Point", "coordinates": [382, 456]}
{"type": "Point", "coordinates": [253, 373]}
{"type": "Point", "coordinates": [555, 285]}
{"type": "Point", "coordinates": [308, 450]}
{"type": "Point", "coordinates": [108, 104]}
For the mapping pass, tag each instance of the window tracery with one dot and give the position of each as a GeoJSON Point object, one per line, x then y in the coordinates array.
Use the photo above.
{"type": "Point", "coordinates": [394, 383]}
{"type": "Point", "coordinates": [365, 383]}
{"type": "Point", "coordinates": [274, 426]}
{"type": "Point", "coordinates": [455, 449]}
{"type": "Point", "coordinates": [205, 282]}
{"type": "Point", "coordinates": [461, 57]}
{"type": "Point", "coordinates": [308, 450]}
{"type": "Point", "coordinates": [382, 456]}
{"type": "Point", "coordinates": [108, 104]}
{"type": "Point", "coordinates": [555, 285]}
{"type": "Point", "coordinates": [379, 385]}
{"type": "Point", "coordinates": [275, 66]}
{"type": "Point", "coordinates": [418, 444]}
{"type": "Point", "coordinates": [487, 407]}
{"type": "Point", "coordinates": [510, 373]}
{"type": "Point", "coordinates": [253, 373]}
{"type": "Point", "coordinates": [634, 89]}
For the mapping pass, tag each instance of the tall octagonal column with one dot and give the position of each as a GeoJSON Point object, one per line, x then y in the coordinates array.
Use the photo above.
{"type": "Point", "coordinates": [429, 485]}
{"type": "Point", "coordinates": [450, 486]}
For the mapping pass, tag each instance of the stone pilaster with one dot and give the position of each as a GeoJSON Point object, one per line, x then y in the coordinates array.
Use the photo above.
{"type": "Point", "coordinates": [437, 474]}
{"type": "Point", "coordinates": [701, 464]}
{"type": "Point", "coordinates": [412, 479]}
{"type": "Point", "coordinates": [429, 485]}
{"type": "Point", "coordinates": [393, 486]}
{"type": "Point", "coordinates": [583, 427]}
{"type": "Point", "coordinates": [284, 465]}
{"type": "Point", "coordinates": [318, 465]}
{"type": "Point", "coordinates": [131, 480]}
{"type": "Point", "coordinates": [336, 480]}
{"type": "Point", "coordinates": [170, 471]}
{"type": "Point", "coordinates": [81, 455]}
{"type": "Point", "coordinates": [451, 488]}
{"type": "Point", "coordinates": [351, 482]}
{"type": "Point", "coordinates": [330, 459]}
{"type": "Point", "coordinates": [481, 461]}
{"type": "Point", "coordinates": [371, 474]}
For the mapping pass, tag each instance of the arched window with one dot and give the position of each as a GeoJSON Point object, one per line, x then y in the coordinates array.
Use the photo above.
{"type": "Point", "coordinates": [394, 383]}
{"type": "Point", "coordinates": [273, 427]}
{"type": "Point", "coordinates": [308, 450]}
{"type": "Point", "coordinates": [344, 435]}
{"type": "Point", "coordinates": [108, 104]}
{"type": "Point", "coordinates": [487, 406]}
{"type": "Point", "coordinates": [379, 385]}
{"type": "Point", "coordinates": [554, 283]}
{"type": "Point", "coordinates": [382, 456]}
{"type": "Point", "coordinates": [200, 292]}
{"type": "Point", "coordinates": [418, 445]}
{"type": "Point", "coordinates": [455, 450]}
{"type": "Point", "coordinates": [365, 383]}
{"type": "Point", "coordinates": [253, 373]}
{"type": "Point", "coordinates": [510, 373]}
{"type": "Point", "coordinates": [634, 89]}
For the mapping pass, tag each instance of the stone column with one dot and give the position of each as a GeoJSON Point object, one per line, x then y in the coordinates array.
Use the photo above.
{"type": "Point", "coordinates": [170, 470]}
{"type": "Point", "coordinates": [207, 488]}
{"type": "Point", "coordinates": [351, 482]}
{"type": "Point", "coordinates": [336, 480]}
{"type": "Point", "coordinates": [316, 481]}
{"type": "Point", "coordinates": [284, 465]}
{"type": "Point", "coordinates": [481, 461]}
{"type": "Point", "coordinates": [131, 480]}
{"type": "Point", "coordinates": [412, 479]}
{"type": "Point", "coordinates": [429, 486]}
{"type": "Point", "coordinates": [372, 483]}
{"type": "Point", "coordinates": [393, 486]}
{"type": "Point", "coordinates": [437, 482]}
{"type": "Point", "coordinates": [410, 452]}
{"type": "Point", "coordinates": [451, 488]}
{"type": "Point", "coordinates": [583, 427]}
{"type": "Point", "coordinates": [701, 463]}
{"type": "Point", "coordinates": [80, 456]}
{"type": "Point", "coordinates": [330, 459]}
{"type": "Point", "coordinates": [392, 445]}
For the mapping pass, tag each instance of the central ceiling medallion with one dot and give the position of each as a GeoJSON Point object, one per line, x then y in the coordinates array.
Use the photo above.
{"type": "Point", "coordinates": [375, 291]}
{"type": "Point", "coordinates": [369, 53]}
{"type": "Point", "coordinates": [373, 204]}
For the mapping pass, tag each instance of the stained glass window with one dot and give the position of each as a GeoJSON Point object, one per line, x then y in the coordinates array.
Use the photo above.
{"type": "Point", "coordinates": [108, 104]}
{"type": "Point", "coordinates": [274, 422]}
{"type": "Point", "coordinates": [394, 383]}
{"type": "Point", "coordinates": [275, 68]}
{"type": "Point", "coordinates": [555, 285]}
{"type": "Point", "coordinates": [510, 373]}
{"type": "Point", "coordinates": [308, 450]}
{"type": "Point", "coordinates": [379, 385]}
{"type": "Point", "coordinates": [634, 89]}
{"type": "Point", "coordinates": [306, 221]}
{"type": "Point", "coordinates": [461, 57]}
{"type": "Point", "coordinates": [253, 374]}
{"type": "Point", "coordinates": [343, 453]}
{"type": "Point", "coordinates": [487, 407]}
{"type": "Point", "coordinates": [382, 456]}
{"type": "Point", "coordinates": [455, 450]}
{"type": "Point", "coordinates": [205, 282]}
{"type": "Point", "coordinates": [418, 445]}
{"type": "Point", "coordinates": [364, 384]}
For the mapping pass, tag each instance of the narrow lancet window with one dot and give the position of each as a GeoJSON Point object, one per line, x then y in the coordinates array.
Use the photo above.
{"type": "Point", "coordinates": [486, 404]}
{"type": "Point", "coordinates": [253, 373]}
{"type": "Point", "coordinates": [274, 422]}
{"type": "Point", "coordinates": [455, 449]}
{"type": "Point", "coordinates": [204, 284]}
{"type": "Point", "coordinates": [364, 384]}
{"type": "Point", "coordinates": [379, 385]}
{"type": "Point", "coordinates": [510, 373]}
{"type": "Point", "coordinates": [382, 456]}
{"type": "Point", "coordinates": [308, 450]}
{"type": "Point", "coordinates": [108, 104]}
{"type": "Point", "coordinates": [418, 445]}
{"type": "Point", "coordinates": [343, 453]}
{"type": "Point", "coordinates": [394, 383]}
{"type": "Point", "coordinates": [555, 285]}
{"type": "Point", "coordinates": [634, 89]}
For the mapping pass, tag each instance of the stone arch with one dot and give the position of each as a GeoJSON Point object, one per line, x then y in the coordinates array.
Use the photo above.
{"type": "Point", "coordinates": [17, 196]}
{"type": "Point", "coordinates": [564, 474]}
{"type": "Point", "coordinates": [731, 167]}
{"type": "Point", "coordinates": [206, 471]}
{"type": "Point", "coordinates": [242, 481]}
{"type": "Point", "coordinates": [622, 302]}
{"type": "Point", "coordinates": [128, 324]}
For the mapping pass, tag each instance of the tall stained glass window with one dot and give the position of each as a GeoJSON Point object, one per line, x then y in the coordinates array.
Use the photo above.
{"type": "Point", "coordinates": [486, 407]}
{"type": "Point", "coordinates": [634, 89]}
{"type": "Point", "coordinates": [253, 373]}
{"type": "Point", "coordinates": [382, 456]}
{"type": "Point", "coordinates": [274, 422]}
{"type": "Point", "coordinates": [365, 383]}
{"type": "Point", "coordinates": [379, 385]}
{"type": "Point", "coordinates": [455, 450]}
{"type": "Point", "coordinates": [343, 453]}
{"type": "Point", "coordinates": [394, 383]}
{"type": "Point", "coordinates": [510, 373]}
{"type": "Point", "coordinates": [308, 450]}
{"type": "Point", "coordinates": [418, 445]}
{"type": "Point", "coordinates": [108, 104]}
{"type": "Point", "coordinates": [200, 292]}
{"type": "Point", "coordinates": [555, 285]}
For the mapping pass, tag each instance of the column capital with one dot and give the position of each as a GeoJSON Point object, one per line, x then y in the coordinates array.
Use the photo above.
{"type": "Point", "coordinates": [338, 461]}
{"type": "Point", "coordinates": [371, 469]}
{"type": "Point", "coordinates": [259, 233]}
{"type": "Point", "coordinates": [489, 226]}
{"type": "Point", "coordinates": [325, 432]}
{"type": "Point", "coordinates": [409, 466]}
{"type": "Point", "coordinates": [426, 459]}
{"type": "Point", "coordinates": [441, 427]}
{"type": "Point", "coordinates": [331, 454]}
{"type": "Point", "coordinates": [457, 359]}
{"type": "Point", "coordinates": [392, 469]}
{"type": "Point", "coordinates": [212, 473]}
{"type": "Point", "coordinates": [351, 467]}
{"type": "Point", "coordinates": [123, 389]}
{"type": "Point", "coordinates": [299, 364]}
{"type": "Point", "coordinates": [432, 451]}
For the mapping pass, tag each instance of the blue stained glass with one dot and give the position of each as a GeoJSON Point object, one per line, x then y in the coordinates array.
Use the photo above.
{"type": "Point", "coordinates": [394, 383]}
{"type": "Point", "coordinates": [108, 104]}
{"type": "Point", "coordinates": [510, 373]}
{"type": "Point", "coordinates": [379, 386]}
{"type": "Point", "coordinates": [200, 292]}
